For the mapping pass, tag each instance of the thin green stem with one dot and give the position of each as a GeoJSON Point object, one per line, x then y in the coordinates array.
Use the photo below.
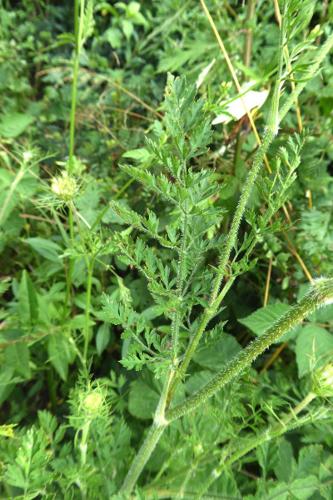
{"type": "Point", "coordinates": [206, 317]}
{"type": "Point", "coordinates": [76, 65]}
{"type": "Point", "coordinates": [70, 269]}
{"type": "Point", "coordinates": [181, 273]}
{"type": "Point", "coordinates": [87, 333]}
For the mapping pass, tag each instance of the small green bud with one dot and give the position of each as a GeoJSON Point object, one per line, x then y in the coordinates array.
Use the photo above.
{"type": "Point", "coordinates": [323, 381]}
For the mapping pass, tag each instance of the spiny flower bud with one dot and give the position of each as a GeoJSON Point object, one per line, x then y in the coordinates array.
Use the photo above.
{"type": "Point", "coordinates": [323, 381]}
{"type": "Point", "coordinates": [64, 186]}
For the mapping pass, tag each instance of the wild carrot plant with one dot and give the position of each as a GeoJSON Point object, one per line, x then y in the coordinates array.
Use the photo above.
{"type": "Point", "coordinates": [128, 364]}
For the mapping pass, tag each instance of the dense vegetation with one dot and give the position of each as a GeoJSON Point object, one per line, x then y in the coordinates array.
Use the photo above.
{"type": "Point", "coordinates": [166, 238]}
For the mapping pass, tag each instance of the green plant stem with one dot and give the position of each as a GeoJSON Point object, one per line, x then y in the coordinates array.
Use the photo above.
{"type": "Point", "coordinates": [230, 242]}
{"type": "Point", "coordinates": [76, 65]}
{"type": "Point", "coordinates": [70, 260]}
{"type": "Point", "coordinates": [272, 432]}
{"type": "Point", "coordinates": [320, 294]}
{"type": "Point", "coordinates": [152, 438]}
{"type": "Point", "coordinates": [148, 446]}
{"type": "Point", "coordinates": [206, 317]}
{"type": "Point", "coordinates": [90, 271]}
{"type": "Point", "coordinates": [181, 273]}
{"type": "Point", "coordinates": [251, 6]}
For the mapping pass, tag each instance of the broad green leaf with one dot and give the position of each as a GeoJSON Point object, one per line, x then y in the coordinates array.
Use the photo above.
{"type": "Point", "coordinates": [60, 353]}
{"type": "Point", "coordinates": [286, 464]}
{"type": "Point", "coordinates": [309, 460]}
{"type": "Point", "coordinates": [217, 353]}
{"type": "Point", "coordinates": [262, 319]}
{"type": "Point", "coordinates": [142, 400]}
{"type": "Point", "coordinates": [14, 124]}
{"type": "Point", "coordinates": [46, 248]}
{"type": "Point", "coordinates": [197, 381]}
{"type": "Point", "coordinates": [314, 347]}
{"type": "Point", "coordinates": [17, 357]}
{"type": "Point", "coordinates": [304, 488]}
{"type": "Point", "coordinates": [102, 338]}
{"type": "Point", "coordinates": [28, 303]}
{"type": "Point", "coordinates": [141, 154]}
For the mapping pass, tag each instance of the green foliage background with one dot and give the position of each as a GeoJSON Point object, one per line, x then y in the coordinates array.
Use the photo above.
{"type": "Point", "coordinates": [135, 133]}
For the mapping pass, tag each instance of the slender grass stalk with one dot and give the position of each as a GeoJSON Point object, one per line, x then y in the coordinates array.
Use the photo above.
{"type": "Point", "coordinates": [76, 61]}
{"type": "Point", "coordinates": [251, 7]}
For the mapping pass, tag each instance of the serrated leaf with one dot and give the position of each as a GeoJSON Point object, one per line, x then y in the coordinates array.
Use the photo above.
{"type": "Point", "coordinates": [217, 353]}
{"type": "Point", "coordinates": [262, 319]}
{"type": "Point", "coordinates": [28, 303]}
{"type": "Point", "coordinates": [60, 354]}
{"type": "Point", "coordinates": [142, 400]}
{"type": "Point", "coordinates": [17, 356]}
{"type": "Point", "coordinates": [14, 124]}
{"type": "Point", "coordinates": [46, 248]}
{"type": "Point", "coordinates": [314, 347]}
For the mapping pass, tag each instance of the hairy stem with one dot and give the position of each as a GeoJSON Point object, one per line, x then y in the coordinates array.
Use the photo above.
{"type": "Point", "coordinates": [152, 438]}
{"type": "Point", "coordinates": [319, 295]}
{"type": "Point", "coordinates": [181, 273]}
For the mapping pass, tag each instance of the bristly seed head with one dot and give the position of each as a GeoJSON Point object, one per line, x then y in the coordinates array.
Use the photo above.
{"type": "Point", "coordinates": [64, 186]}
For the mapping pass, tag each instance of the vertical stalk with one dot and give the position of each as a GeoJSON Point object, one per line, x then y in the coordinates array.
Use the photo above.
{"type": "Point", "coordinates": [76, 63]}
{"type": "Point", "coordinates": [181, 273]}
{"type": "Point", "coordinates": [90, 270]}
{"type": "Point", "coordinates": [152, 438]}
{"type": "Point", "coordinates": [251, 5]}
{"type": "Point", "coordinates": [78, 20]}
{"type": "Point", "coordinates": [147, 448]}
